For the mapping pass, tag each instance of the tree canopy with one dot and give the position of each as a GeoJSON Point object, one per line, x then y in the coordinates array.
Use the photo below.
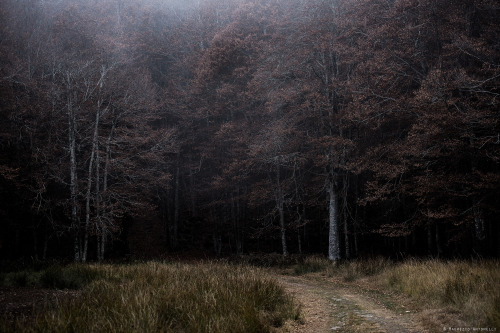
{"type": "Point", "coordinates": [347, 127]}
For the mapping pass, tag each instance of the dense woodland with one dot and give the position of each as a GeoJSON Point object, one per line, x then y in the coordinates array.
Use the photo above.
{"type": "Point", "coordinates": [224, 127]}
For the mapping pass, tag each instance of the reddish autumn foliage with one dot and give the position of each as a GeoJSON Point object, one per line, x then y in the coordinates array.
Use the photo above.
{"type": "Point", "coordinates": [253, 125]}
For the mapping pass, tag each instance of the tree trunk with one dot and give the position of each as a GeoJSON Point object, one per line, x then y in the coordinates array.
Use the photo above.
{"type": "Point", "coordinates": [239, 242]}
{"type": "Point", "coordinates": [345, 218]}
{"type": "Point", "coordinates": [355, 230]}
{"type": "Point", "coordinates": [235, 211]}
{"type": "Point", "coordinates": [429, 239]}
{"type": "Point", "coordinates": [299, 202]}
{"type": "Point", "coordinates": [479, 225]}
{"type": "Point", "coordinates": [99, 221]}
{"type": "Point", "coordinates": [281, 209]}
{"type": "Point", "coordinates": [217, 244]}
{"type": "Point", "coordinates": [299, 241]}
{"type": "Point", "coordinates": [356, 248]}
{"type": "Point", "coordinates": [333, 236]}
{"type": "Point", "coordinates": [45, 246]}
{"type": "Point", "coordinates": [95, 143]}
{"type": "Point", "coordinates": [175, 223]}
{"type": "Point", "coordinates": [346, 238]}
{"type": "Point", "coordinates": [193, 199]}
{"type": "Point", "coordinates": [103, 213]}
{"type": "Point", "coordinates": [439, 248]}
{"type": "Point", "coordinates": [75, 224]}
{"type": "Point", "coordinates": [35, 240]}
{"type": "Point", "coordinates": [283, 229]}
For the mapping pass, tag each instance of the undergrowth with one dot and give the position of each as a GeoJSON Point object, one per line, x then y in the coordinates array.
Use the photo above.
{"type": "Point", "coordinates": [157, 297]}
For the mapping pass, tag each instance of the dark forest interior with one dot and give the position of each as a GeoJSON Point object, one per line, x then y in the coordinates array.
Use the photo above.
{"type": "Point", "coordinates": [349, 128]}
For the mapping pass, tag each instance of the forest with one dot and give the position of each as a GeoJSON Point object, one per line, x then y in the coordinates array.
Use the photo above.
{"type": "Point", "coordinates": [348, 128]}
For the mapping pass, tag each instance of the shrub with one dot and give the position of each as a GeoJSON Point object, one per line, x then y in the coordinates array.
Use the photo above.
{"type": "Point", "coordinates": [23, 278]}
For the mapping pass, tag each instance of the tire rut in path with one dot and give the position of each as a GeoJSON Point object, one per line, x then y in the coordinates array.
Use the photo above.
{"type": "Point", "coordinates": [327, 307]}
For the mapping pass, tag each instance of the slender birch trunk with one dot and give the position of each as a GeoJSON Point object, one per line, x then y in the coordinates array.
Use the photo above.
{"type": "Point", "coordinates": [333, 235]}
{"type": "Point", "coordinates": [101, 242]}
{"type": "Point", "coordinates": [75, 224]}
{"type": "Point", "coordinates": [95, 143]}
{"type": "Point", "coordinates": [98, 202]}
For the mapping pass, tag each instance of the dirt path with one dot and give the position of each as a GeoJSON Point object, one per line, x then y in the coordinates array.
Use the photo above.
{"type": "Point", "coordinates": [334, 307]}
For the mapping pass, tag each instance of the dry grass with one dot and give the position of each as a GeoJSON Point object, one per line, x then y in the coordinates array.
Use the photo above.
{"type": "Point", "coordinates": [156, 297]}
{"type": "Point", "coordinates": [348, 270]}
{"type": "Point", "coordinates": [356, 269]}
{"type": "Point", "coordinates": [221, 297]}
{"type": "Point", "coordinates": [471, 289]}
{"type": "Point", "coordinates": [312, 264]}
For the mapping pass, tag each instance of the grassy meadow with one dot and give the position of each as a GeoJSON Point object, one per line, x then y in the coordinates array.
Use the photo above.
{"type": "Point", "coordinates": [156, 297]}
{"type": "Point", "coordinates": [245, 296]}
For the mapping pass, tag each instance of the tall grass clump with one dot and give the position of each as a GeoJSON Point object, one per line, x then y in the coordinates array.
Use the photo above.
{"type": "Point", "coordinates": [53, 276]}
{"type": "Point", "coordinates": [348, 270]}
{"type": "Point", "coordinates": [312, 264]}
{"type": "Point", "coordinates": [155, 297]}
{"type": "Point", "coordinates": [353, 270]}
{"type": "Point", "coordinates": [470, 288]}
{"type": "Point", "coordinates": [360, 268]}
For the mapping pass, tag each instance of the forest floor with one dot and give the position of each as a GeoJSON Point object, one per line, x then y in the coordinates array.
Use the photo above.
{"type": "Point", "coordinates": [331, 305]}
